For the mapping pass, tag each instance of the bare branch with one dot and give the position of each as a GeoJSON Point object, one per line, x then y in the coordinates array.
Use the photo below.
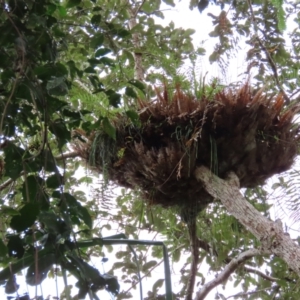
{"type": "Point", "coordinates": [228, 270]}
{"type": "Point", "coordinates": [259, 273]}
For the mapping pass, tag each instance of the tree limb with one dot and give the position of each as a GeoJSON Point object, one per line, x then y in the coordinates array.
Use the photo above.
{"type": "Point", "coordinates": [245, 294]}
{"type": "Point", "coordinates": [270, 234]}
{"type": "Point", "coordinates": [6, 184]}
{"type": "Point", "coordinates": [261, 274]}
{"type": "Point", "coordinates": [229, 269]}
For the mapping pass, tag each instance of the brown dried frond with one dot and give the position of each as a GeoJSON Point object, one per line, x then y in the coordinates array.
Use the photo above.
{"type": "Point", "coordinates": [235, 131]}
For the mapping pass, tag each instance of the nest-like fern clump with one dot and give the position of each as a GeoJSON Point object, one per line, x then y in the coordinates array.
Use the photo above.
{"type": "Point", "coordinates": [250, 134]}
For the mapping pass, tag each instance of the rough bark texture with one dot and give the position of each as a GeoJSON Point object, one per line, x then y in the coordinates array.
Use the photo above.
{"type": "Point", "coordinates": [136, 41]}
{"type": "Point", "coordinates": [270, 234]}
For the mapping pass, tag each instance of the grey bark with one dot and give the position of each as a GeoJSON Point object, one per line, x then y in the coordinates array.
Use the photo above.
{"type": "Point", "coordinates": [136, 41]}
{"type": "Point", "coordinates": [271, 235]}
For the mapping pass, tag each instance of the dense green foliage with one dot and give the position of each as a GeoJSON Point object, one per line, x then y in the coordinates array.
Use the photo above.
{"type": "Point", "coordinates": [69, 64]}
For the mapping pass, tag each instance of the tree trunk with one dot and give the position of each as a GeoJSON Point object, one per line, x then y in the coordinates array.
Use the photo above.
{"type": "Point", "coordinates": [136, 41]}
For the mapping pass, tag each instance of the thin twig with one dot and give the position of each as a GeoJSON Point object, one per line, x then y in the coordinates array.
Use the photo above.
{"type": "Point", "coordinates": [245, 294]}
{"type": "Point", "coordinates": [261, 274]}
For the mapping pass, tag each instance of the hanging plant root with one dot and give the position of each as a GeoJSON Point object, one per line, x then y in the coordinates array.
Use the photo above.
{"type": "Point", "coordinates": [250, 134]}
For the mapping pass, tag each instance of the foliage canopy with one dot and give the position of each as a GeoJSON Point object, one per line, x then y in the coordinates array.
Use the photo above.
{"type": "Point", "coordinates": [81, 64]}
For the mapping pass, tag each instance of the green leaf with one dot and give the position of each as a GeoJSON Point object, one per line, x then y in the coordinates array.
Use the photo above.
{"type": "Point", "coordinates": [13, 160]}
{"type": "Point", "coordinates": [15, 247]}
{"type": "Point", "coordinates": [123, 33]}
{"type": "Point", "coordinates": [102, 52]}
{"type": "Point", "coordinates": [43, 266]}
{"type": "Point", "coordinates": [158, 284]}
{"type": "Point", "coordinates": [109, 128]}
{"type": "Point", "coordinates": [129, 91]}
{"type": "Point", "coordinates": [84, 215]}
{"type": "Point", "coordinates": [89, 70]}
{"type": "Point", "coordinates": [59, 129]}
{"type": "Point", "coordinates": [113, 97]}
{"type": "Point", "coordinates": [169, 2]}
{"type": "Point", "coordinates": [72, 68]}
{"type": "Point", "coordinates": [111, 283]}
{"type": "Point", "coordinates": [94, 61]}
{"type": "Point", "coordinates": [32, 187]}
{"type": "Point", "coordinates": [107, 61]}
{"type": "Point", "coordinates": [96, 19]}
{"type": "Point", "coordinates": [72, 3]}
{"type": "Point", "coordinates": [57, 86]}
{"type": "Point", "coordinates": [51, 8]}
{"type": "Point", "coordinates": [54, 181]}
{"type": "Point", "coordinates": [28, 215]}
{"type": "Point", "coordinates": [138, 84]}
{"type": "Point", "coordinates": [71, 200]}
{"type": "Point", "coordinates": [97, 40]}
{"type": "Point", "coordinates": [53, 223]}
{"type": "Point", "coordinates": [134, 117]}
{"type": "Point", "coordinates": [147, 266]}
{"type": "Point", "coordinates": [78, 210]}
{"type": "Point", "coordinates": [62, 11]}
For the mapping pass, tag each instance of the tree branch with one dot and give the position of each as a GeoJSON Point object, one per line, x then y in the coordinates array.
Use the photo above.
{"type": "Point", "coordinates": [270, 234]}
{"type": "Point", "coordinates": [229, 269]}
{"type": "Point", "coordinates": [6, 184]}
{"type": "Point", "coordinates": [259, 273]}
{"type": "Point", "coordinates": [245, 294]}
